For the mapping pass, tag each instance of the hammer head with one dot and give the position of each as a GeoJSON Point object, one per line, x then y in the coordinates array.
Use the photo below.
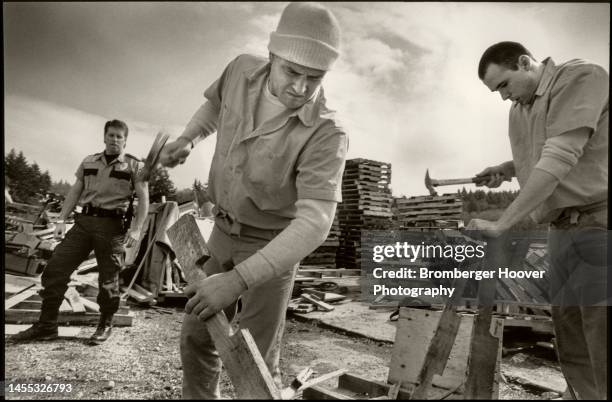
{"type": "Point", "coordinates": [429, 184]}
{"type": "Point", "coordinates": [153, 156]}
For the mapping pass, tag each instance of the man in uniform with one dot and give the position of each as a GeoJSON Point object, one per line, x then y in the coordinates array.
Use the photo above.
{"type": "Point", "coordinates": [105, 184]}
{"type": "Point", "coordinates": [275, 182]}
{"type": "Point", "coordinates": [559, 139]}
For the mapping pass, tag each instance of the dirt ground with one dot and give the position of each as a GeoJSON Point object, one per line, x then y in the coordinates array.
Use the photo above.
{"type": "Point", "coordinates": [142, 361]}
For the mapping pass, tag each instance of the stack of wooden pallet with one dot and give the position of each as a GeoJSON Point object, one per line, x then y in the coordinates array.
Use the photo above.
{"type": "Point", "coordinates": [428, 212]}
{"type": "Point", "coordinates": [325, 254]}
{"type": "Point", "coordinates": [366, 205]}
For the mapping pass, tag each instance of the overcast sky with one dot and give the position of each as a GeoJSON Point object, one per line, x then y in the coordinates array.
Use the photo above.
{"type": "Point", "coordinates": [406, 87]}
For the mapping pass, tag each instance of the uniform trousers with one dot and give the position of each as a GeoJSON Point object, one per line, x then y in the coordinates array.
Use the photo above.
{"type": "Point", "coordinates": [103, 235]}
{"type": "Point", "coordinates": [263, 310]}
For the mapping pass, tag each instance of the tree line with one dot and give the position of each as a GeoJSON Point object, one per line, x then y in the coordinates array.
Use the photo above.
{"type": "Point", "coordinates": [480, 200]}
{"type": "Point", "coordinates": [28, 184]}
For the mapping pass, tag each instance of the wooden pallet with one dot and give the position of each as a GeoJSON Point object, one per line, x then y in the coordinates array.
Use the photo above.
{"type": "Point", "coordinates": [79, 311]}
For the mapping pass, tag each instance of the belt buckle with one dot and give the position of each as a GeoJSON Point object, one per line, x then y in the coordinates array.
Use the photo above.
{"type": "Point", "coordinates": [574, 215]}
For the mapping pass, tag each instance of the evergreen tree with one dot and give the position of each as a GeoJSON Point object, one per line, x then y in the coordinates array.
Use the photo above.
{"type": "Point", "coordinates": [161, 185]}
{"type": "Point", "coordinates": [19, 174]}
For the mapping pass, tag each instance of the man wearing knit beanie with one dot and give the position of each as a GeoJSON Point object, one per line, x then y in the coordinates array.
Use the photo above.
{"type": "Point", "coordinates": [275, 181]}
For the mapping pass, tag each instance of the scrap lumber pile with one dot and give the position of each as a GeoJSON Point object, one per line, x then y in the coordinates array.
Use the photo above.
{"type": "Point", "coordinates": [158, 275]}
{"type": "Point", "coordinates": [322, 284]}
{"type": "Point", "coordinates": [325, 254]}
{"type": "Point", "coordinates": [366, 205]}
{"type": "Point", "coordinates": [27, 252]}
{"type": "Point", "coordinates": [22, 302]}
{"type": "Point", "coordinates": [428, 212]}
{"type": "Point", "coordinates": [312, 299]}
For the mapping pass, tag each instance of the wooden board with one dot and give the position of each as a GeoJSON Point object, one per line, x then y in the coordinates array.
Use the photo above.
{"type": "Point", "coordinates": [18, 298]}
{"type": "Point", "coordinates": [415, 330]}
{"type": "Point", "coordinates": [241, 357]}
{"type": "Point", "coordinates": [14, 284]}
{"type": "Point", "coordinates": [74, 299]}
{"type": "Point", "coordinates": [63, 332]}
{"type": "Point", "coordinates": [14, 316]}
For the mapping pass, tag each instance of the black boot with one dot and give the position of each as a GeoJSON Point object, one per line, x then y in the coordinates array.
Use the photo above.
{"type": "Point", "coordinates": [103, 331]}
{"type": "Point", "coordinates": [40, 331]}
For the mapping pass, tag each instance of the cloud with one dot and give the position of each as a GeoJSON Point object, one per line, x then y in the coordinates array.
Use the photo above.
{"type": "Point", "coordinates": [58, 137]}
{"type": "Point", "coordinates": [405, 86]}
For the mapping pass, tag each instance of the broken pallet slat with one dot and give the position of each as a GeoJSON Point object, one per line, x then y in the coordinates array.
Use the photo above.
{"type": "Point", "coordinates": [318, 393]}
{"type": "Point", "coordinates": [319, 303]}
{"type": "Point", "coordinates": [15, 284]}
{"type": "Point", "coordinates": [325, 296]}
{"type": "Point", "coordinates": [63, 332]}
{"type": "Point", "coordinates": [241, 357]}
{"type": "Point", "coordinates": [18, 298]}
{"type": "Point", "coordinates": [90, 305]}
{"type": "Point", "coordinates": [74, 299]}
{"type": "Point", "coordinates": [15, 316]}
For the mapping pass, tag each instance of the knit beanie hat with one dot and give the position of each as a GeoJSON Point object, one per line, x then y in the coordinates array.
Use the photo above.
{"type": "Point", "coordinates": [308, 34]}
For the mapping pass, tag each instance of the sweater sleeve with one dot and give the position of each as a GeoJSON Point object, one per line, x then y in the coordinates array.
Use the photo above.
{"type": "Point", "coordinates": [303, 235]}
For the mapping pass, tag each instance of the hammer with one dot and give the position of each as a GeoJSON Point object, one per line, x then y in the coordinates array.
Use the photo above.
{"type": "Point", "coordinates": [431, 183]}
{"type": "Point", "coordinates": [153, 157]}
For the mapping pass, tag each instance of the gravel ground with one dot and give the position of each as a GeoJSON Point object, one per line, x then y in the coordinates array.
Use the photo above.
{"type": "Point", "coordinates": [142, 361]}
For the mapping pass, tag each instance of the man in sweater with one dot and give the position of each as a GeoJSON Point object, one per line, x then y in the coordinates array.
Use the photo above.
{"type": "Point", "coordinates": [275, 181]}
{"type": "Point", "coordinates": [559, 139]}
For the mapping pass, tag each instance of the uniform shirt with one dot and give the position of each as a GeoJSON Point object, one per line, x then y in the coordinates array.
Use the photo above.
{"type": "Point", "coordinates": [257, 175]}
{"type": "Point", "coordinates": [108, 186]}
{"type": "Point", "coordinates": [569, 96]}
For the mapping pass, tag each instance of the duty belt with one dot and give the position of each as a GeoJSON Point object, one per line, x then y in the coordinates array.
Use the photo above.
{"type": "Point", "coordinates": [229, 225]}
{"type": "Point", "coordinates": [102, 213]}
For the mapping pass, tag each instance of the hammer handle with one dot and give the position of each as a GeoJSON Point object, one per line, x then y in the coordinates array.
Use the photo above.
{"type": "Point", "coordinates": [449, 182]}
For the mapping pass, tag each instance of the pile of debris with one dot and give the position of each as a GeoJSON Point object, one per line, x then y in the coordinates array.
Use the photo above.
{"type": "Point", "coordinates": [318, 288]}
{"type": "Point", "coordinates": [23, 303]}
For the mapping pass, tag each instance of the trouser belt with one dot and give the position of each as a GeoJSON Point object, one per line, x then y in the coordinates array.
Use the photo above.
{"type": "Point", "coordinates": [571, 215]}
{"type": "Point", "coordinates": [102, 213]}
{"type": "Point", "coordinates": [229, 225]}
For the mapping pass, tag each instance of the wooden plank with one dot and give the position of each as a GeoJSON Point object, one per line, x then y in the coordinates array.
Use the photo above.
{"type": "Point", "coordinates": [143, 291]}
{"type": "Point", "coordinates": [139, 297]}
{"type": "Point", "coordinates": [90, 305]}
{"type": "Point", "coordinates": [65, 307]}
{"type": "Point", "coordinates": [15, 284]}
{"type": "Point", "coordinates": [325, 296]}
{"type": "Point", "coordinates": [63, 332]}
{"type": "Point", "coordinates": [415, 331]}
{"type": "Point", "coordinates": [74, 299]}
{"type": "Point", "coordinates": [319, 303]}
{"type": "Point", "coordinates": [318, 393]}
{"type": "Point", "coordinates": [485, 349]}
{"type": "Point", "coordinates": [322, 378]}
{"type": "Point", "coordinates": [439, 349]}
{"type": "Point", "coordinates": [14, 316]}
{"type": "Point", "coordinates": [18, 298]}
{"type": "Point", "coordinates": [373, 389]}
{"type": "Point", "coordinates": [245, 366]}
{"type": "Point", "coordinates": [87, 266]}
{"type": "Point", "coordinates": [168, 275]}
